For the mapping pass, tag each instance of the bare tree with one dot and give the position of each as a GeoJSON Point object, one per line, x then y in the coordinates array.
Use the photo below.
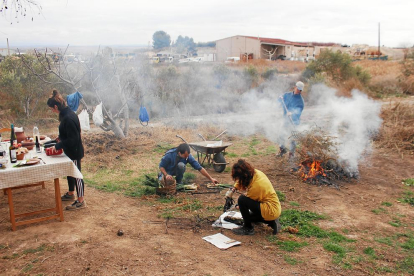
{"type": "Point", "coordinates": [19, 8]}
{"type": "Point", "coordinates": [270, 53]}
{"type": "Point", "coordinates": [100, 70]}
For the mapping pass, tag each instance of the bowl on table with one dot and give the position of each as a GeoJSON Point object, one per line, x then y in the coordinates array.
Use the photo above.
{"type": "Point", "coordinates": [20, 156]}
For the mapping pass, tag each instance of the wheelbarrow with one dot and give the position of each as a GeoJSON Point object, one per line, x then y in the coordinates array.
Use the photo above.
{"type": "Point", "coordinates": [210, 151]}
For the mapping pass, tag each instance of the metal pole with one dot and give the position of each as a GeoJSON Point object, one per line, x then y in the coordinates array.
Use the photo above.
{"type": "Point", "coordinates": [8, 48]}
{"type": "Point", "coordinates": [379, 41]}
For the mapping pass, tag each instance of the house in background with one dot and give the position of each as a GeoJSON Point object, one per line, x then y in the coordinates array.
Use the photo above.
{"type": "Point", "coordinates": [249, 47]}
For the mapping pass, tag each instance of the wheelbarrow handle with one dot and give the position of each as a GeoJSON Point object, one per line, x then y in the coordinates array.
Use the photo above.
{"type": "Point", "coordinates": [202, 137]}
{"type": "Point", "coordinates": [178, 136]}
{"type": "Point", "coordinates": [220, 134]}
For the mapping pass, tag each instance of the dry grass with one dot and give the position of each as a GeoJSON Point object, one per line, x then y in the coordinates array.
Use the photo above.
{"type": "Point", "coordinates": [398, 128]}
{"type": "Point", "coordinates": [385, 77]}
{"type": "Point", "coordinates": [381, 68]}
{"type": "Point", "coordinates": [283, 66]}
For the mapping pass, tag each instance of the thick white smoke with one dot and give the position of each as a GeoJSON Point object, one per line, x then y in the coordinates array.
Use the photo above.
{"type": "Point", "coordinates": [352, 120]}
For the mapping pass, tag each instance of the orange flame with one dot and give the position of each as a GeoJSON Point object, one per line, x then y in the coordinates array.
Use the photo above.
{"type": "Point", "coordinates": [314, 170]}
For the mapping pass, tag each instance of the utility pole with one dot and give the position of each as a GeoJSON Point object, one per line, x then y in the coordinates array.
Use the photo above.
{"type": "Point", "coordinates": [379, 40]}
{"type": "Point", "coordinates": [8, 48]}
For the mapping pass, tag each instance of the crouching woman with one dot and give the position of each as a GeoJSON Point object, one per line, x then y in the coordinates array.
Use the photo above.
{"type": "Point", "coordinates": [260, 202]}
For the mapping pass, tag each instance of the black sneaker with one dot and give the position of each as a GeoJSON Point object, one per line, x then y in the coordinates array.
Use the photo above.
{"type": "Point", "coordinates": [282, 151]}
{"type": "Point", "coordinates": [76, 206]}
{"type": "Point", "coordinates": [243, 231]}
{"type": "Point", "coordinates": [67, 197]}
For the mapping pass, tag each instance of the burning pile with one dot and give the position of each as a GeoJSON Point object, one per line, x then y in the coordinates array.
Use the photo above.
{"type": "Point", "coordinates": [318, 161]}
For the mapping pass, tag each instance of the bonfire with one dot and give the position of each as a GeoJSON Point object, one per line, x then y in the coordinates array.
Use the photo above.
{"type": "Point", "coordinates": [318, 160]}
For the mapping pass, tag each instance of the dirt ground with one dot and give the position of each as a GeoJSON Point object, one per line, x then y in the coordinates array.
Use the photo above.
{"type": "Point", "coordinates": [86, 243]}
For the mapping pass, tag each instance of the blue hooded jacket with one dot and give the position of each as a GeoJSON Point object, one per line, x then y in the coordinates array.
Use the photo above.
{"type": "Point", "coordinates": [171, 158]}
{"type": "Point", "coordinates": [294, 104]}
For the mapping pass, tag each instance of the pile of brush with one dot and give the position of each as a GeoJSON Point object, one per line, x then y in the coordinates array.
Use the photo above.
{"type": "Point", "coordinates": [398, 127]}
{"type": "Point", "coordinates": [317, 158]}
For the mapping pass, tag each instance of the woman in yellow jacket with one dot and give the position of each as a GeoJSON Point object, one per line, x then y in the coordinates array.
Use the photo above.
{"type": "Point", "coordinates": [260, 204]}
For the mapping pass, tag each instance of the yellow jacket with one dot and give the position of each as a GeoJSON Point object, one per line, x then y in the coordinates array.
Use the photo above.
{"type": "Point", "coordinates": [261, 190]}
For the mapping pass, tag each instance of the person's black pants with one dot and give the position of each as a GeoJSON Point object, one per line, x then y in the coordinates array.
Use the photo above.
{"type": "Point", "coordinates": [76, 182]}
{"type": "Point", "coordinates": [250, 210]}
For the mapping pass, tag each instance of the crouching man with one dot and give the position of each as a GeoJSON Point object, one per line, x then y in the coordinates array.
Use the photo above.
{"type": "Point", "coordinates": [174, 161]}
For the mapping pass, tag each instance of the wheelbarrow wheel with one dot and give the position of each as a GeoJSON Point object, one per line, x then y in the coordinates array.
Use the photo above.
{"type": "Point", "coordinates": [219, 158]}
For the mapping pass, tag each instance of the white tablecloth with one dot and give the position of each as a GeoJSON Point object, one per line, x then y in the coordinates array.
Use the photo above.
{"type": "Point", "coordinates": [55, 167]}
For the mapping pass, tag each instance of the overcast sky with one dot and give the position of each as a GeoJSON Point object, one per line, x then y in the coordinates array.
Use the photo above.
{"type": "Point", "coordinates": [132, 22]}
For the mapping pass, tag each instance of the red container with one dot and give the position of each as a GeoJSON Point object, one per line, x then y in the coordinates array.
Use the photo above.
{"type": "Point", "coordinates": [50, 151]}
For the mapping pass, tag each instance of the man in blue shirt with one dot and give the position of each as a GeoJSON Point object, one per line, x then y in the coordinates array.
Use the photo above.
{"type": "Point", "coordinates": [293, 104]}
{"type": "Point", "coordinates": [174, 161]}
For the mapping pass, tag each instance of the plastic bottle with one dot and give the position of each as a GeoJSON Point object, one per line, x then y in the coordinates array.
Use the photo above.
{"type": "Point", "coordinates": [36, 133]}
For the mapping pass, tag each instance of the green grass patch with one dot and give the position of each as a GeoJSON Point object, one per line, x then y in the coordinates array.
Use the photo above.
{"type": "Point", "coordinates": [128, 172]}
{"type": "Point", "coordinates": [291, 217]}
{"type": "Point", "coordinates": [35, 250]}
{"type": "Point", "coordinates": [255, 141]}
{"type": "Point", "coordinates": [227, 169]}
{"type": "Point", "coordinates": [294, 203]}
{"type": "Point", "coordinates": [185, 206]}
{"type": "Point", "coordinates": [189, 178]}
{"type": "Point", "coordinates": [290, 260]}
{"type": "Point", "coordinates": [408, 197]}
{"type": "Point", "coordinates": [230, 154]}
{"type": "Point", "coordinates": [395, 222]}
{"type": "Point", "coordinates": [163, 147]}
{"type": "Point", "coordinates": [215, 208]}
{"type": "Point", "coordinates": [287, 245]}
{"type": "Point", "coordinates": [406, 265]}
{"type": "Point", "coordinates": [129, 186]}
{"type": "Point", "coordinates": [409, 244]}
{"type": "Point", "coordinates": [27, 268]}
{"type": "Point", "coordinates": [11, 257]}
{"type": "Point", "coordinates": [385, 240]}
{"type": "Point", "coordinates": [270, 150]}
{"type": "Point", "coordinates": [281, 196]}
{"type": "Point", "coordinates": [385, 203]}
{"type": "Point", "coordinates": [339, 250]}
{"type": "Point", "coordinates": [169, 199]}
{"type": "Point", "coordinates": [379, 211]}
{"type": "Point", "coordinates": [370, 252]}
{"type": "Point", "coordinates": [384, 269]}
{"type": "Point", "coordinates": [408, 182]}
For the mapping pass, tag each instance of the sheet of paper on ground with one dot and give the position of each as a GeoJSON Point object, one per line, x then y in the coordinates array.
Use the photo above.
{"type": "Point", "coordinates": [225, 224]}
{"type": "Point", "coordinates": [221, 241]}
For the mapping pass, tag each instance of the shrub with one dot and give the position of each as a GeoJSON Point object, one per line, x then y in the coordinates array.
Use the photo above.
{"type": "Point", "coordinates": [269, 73]}
{"type": "Point", "coordinates": [251, 74]}
{"type": "Point", "coordinates": [336, 66]}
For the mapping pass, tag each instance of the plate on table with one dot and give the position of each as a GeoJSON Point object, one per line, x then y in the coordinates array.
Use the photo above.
{"type": "Point", "coordinates": [29, 162]}
{"type": "Point", "coordinates": [32, 161]}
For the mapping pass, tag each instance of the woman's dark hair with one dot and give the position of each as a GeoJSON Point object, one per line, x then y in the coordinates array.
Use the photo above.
{"type": "Point", "coordinates": [243, 172]}
{"type": "Point", "coordinates": [56, 99]}
{"type": "Point", "coordinates": [182, 148]}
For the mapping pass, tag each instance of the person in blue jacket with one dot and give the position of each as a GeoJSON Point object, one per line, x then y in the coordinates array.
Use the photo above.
{"type": "Point", "coordinates": [174, 161]}
{"type": "Point", "coordinates": [292, 104]}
